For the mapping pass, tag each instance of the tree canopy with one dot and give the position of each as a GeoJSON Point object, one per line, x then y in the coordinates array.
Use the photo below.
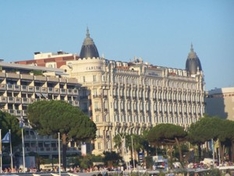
{"type": "Point", "coordinates": [10, 122]}
{"type": "Point", "coordinates": [51, 117]}
{"type": "Point", "coordinates": [205, 129]}
{"type": "Point", "coordinates": [167, 134]}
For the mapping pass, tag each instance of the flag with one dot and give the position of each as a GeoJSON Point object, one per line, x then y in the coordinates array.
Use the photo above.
{"type": "Point", "coordinates": [7, 138]}
{"type": "Point", "coordinates": [21, 122]}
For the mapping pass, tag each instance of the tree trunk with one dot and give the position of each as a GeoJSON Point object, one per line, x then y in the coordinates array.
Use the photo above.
{"type": "Point", "coordinates": [179, 148]}
{"type": "Point", "coordinates": [232, 151]}
{"type": "Point", "coordinates": [199, 152]}
{"type": "Point", "coordinates": [64, 144]}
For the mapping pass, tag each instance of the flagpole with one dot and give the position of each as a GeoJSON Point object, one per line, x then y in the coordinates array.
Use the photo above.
{"type": "Point", "coordinates": [59, 156]}
{"type": "Point", "coordinates": [1, 151]}
{"type": "Point", "coordinates": [11, 152]}
{"type": "Point", "coordinates": [22, 133]}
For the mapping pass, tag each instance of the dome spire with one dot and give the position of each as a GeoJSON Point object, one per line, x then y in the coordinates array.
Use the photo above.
{"type": "Point", "coordinates": [87, 33]}
{"type": "Point", "coordinates": [88, 48]}
{"type": "Point", "coordinates": [193, 63]}
{"type": "Point", "coordinates": [191, 49]}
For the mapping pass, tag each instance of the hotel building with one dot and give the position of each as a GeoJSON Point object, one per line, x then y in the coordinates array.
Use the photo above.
{"type": "Point", "coordinates": [129, 97]}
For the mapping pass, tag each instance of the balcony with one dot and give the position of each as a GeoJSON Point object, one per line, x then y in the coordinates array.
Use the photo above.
{"type": "Point", "coordinates": [75, 103]}
{"type": "Point", "coordinates": [97, 96]}
{"type": "Point", "coordinates": [105, 109]}
{"type": "Point", "coordinates": [3, 100]}
{"type": "Point", "coordinates": [97, 109]}
{"type": "Point", "coordinates": [2, 74]}
{"type": "Point", "coordinates": [14, 112]}
{"type": "Point", "coordinates": [99, 136]}
{"type": "Point", "coordinates": [40, 78]}
{"type": "Point", "coordinates": [12, 75]}
{"type": "Point", "coordinates": [27, 77]}
{"type": "Point", "coordinates": [56, 90]}
{"type": "Point", "coordinates": [31, 89]}
{"type": "Point", "coordinates": [37, 89]}
{"type": "Point", "coordinates": [50, 90]}
{"type": "Point", "coordinates": [117, 124]}
{"type": "Point", "coordinates": [10, 100]}
{"type": "Point", "coordinates": [75, 91]}
{"type": "Point", "coordinates": [16, 87]}
{"type": "Point", "coordinates": [25, 100]}
{"type": "Point", "coordinates": [17, 100]}
{"type": "Point", "coordinates": [53, 79]}
{"type": "Point", "coordinates": [63, 91]}
{"type": "Point", "coordinates": [24, 88]}
{"type": "Point", "coordinates": [44, 89]}
{"type": "Point", "coordinates": [3, 87]}
{"type": "Point", "coordinates": [18, 112]}
{"type": "Point", "coordinates": [72, 91]}
{"type": "Point", "coordinates": [9, 87]}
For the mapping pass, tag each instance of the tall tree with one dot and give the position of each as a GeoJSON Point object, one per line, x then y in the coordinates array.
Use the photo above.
{"type": "Point", "coordinates": [226, 138]}
{"type": "Point", "coordinates": [51, 117]}
{"type": "Point", "coordinates": [10, 122]}
{"type": "Point", "coordinates": [203, 130]}
{"type": "Point", "coordinates": [111, 159]}
{"type": "Point", "coordinates": [167, 135]}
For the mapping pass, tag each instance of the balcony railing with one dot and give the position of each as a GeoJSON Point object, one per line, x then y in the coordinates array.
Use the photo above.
{"type": "Point", "coordinates": [3, 99]}
{"type": "Point", "coordinates": [3, 87]}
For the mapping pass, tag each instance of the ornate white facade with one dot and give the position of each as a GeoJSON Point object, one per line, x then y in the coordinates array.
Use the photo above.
{"type": "Point", "coordinates": [131, 97]}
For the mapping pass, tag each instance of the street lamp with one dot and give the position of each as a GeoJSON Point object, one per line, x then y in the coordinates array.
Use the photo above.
{"type": "Point", "coordinates": [133, 158]}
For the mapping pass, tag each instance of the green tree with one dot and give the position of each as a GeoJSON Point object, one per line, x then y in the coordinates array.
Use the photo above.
{"type": "Point", "coordinates": [85, 161]}
{"type": "Point", "coordinates": [10, 122]}
{"type": "Point", "coordinates": [51, 117]}
{"type": "Point", "coordinates": [226, 138]}
{"type": "Point", "coordinates": [203, 130]}
{"type": "Point", "coordinates": [119, 141]}
{"type": "Point", "coordinates": [111, 158]}
{"type": "Point", "coordinates": [168, 135]}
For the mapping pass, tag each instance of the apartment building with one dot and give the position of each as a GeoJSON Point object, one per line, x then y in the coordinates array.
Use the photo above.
{"type": "Point", "coordinates": [21, 85]}
{"type": "Point", "coordinates": [50, 59]}
{"type": "Point", "coordinates": [220, 102]}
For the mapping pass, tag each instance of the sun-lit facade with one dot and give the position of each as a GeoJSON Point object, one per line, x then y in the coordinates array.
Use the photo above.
{"type": "Point", "coordinates": [21, 85]}
{"type": "Point", "coordinates": [129, 97]}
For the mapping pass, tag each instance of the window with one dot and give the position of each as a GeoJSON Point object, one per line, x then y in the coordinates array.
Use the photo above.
{"type": "Point", "coordinates": [99, 146]}
{"type": "Point", "coordinates": [97, 119]}
{"type": "Point", "coordinates": [94, 78]}
{"type": "Point", "coordinates": [83, 78]}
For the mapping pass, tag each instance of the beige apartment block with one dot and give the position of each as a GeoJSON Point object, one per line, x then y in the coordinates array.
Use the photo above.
{"type": "Point", "coordinates": [220, 102]}
{"type": "Point", "coordinates": [21, 85]}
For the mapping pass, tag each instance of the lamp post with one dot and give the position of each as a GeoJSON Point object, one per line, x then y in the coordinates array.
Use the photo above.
{"type": "Point", "coordinates": [59, 155]}
{"type": "Point", "coordinates": [21, 124]}
{"type": "Point", "coordinates": [23, 153]}
{"type": "Point", "coordinates": [133, 158]}
{"type": "Point", "coordinates": [1, 151]}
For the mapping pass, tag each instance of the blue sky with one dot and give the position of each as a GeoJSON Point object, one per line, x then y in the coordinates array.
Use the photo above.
{"type": "Point", "coordinates": [158, 31]}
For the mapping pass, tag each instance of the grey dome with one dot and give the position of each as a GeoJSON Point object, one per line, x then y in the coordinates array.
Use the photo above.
{"type": "Point", "coordinates": [193, 63]}
{"type": "Point", "coordinates": [88, 48]}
